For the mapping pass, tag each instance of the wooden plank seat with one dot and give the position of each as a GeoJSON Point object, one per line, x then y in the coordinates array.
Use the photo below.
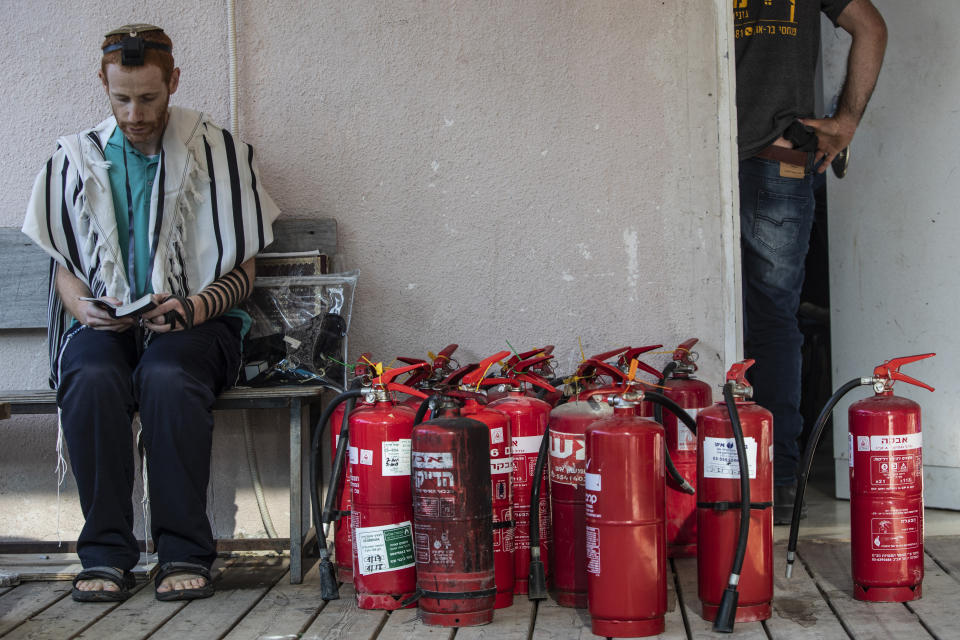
{"type": "Point", "coordinates": [23, 288]}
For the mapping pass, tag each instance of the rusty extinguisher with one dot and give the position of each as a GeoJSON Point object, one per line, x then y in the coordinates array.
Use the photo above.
{"type": "Point", "coordinates": [678, 383]}
{"type": "Point", "coordinates": [473, 404]}
{"type": "Point", "coordinates": [453, 525]}
{"type": "Point", "coordinates": [377, 437]}
{"type": "Point", "coordinates": [735, 506]}
{"type": "Point", "coordinates": [886, 486]}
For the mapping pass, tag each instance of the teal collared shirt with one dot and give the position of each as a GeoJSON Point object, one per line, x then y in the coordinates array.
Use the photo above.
{"type": "Point", "coordinates": [129, 166]}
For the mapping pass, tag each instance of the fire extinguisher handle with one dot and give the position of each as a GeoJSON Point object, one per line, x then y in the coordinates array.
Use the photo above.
{"type": "Point", "coordinates": [402, 388]}
{"type": "Point", "coordinates": [604, 368]}
{"type": "Point", "coordinates": [525, 365]}
{"type": "Point", "coordinates": [890, 370]}
{"type": "Point", "coordinates": [476, 375]}
{"type": "Point", "coordinates": [387, 377]}
{"type": "Point", "coordinates": [738, 372]}
{"type": "Point", "coordinates": [634, 353]}
{"type": "Point", "coordinates": [684, 351]}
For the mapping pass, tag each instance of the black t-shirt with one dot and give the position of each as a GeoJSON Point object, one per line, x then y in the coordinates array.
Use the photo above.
{"type": "Point", "coordinates": [777, 45]}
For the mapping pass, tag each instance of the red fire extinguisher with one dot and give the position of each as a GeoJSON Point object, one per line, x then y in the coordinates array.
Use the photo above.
{"type": "Point", "coordinates": [343, 539]}
{"type": "Point", "coordinates": [734, 506]}
{"type": "Point", "coordinates": [499, 445]}
{"type": "Point", "coordinates": [886, 486]}
{"type": "Point", "coordinates": [453, 522]}
{"type": "Point", "coordinates": [528, 423]}
{"type": "Point", "coordinates": [377, 436]}
{"type": "Point", "coordinates": [566, 464]}
{"type": "Point", "coordinates": [678, 383]}
{"type": "Point", "coordinates": [625, 533]}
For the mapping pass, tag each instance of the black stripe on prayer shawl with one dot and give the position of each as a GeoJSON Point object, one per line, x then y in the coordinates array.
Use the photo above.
{"type": "Point", "coordinates": [158, 225]}
{"type": "Point", "coordinates": [55, 330]}
{"type": "Point", "coordinates": [65, 217]}
{"type": "Point", "coordinates": [213, 207]}
{"type": "Point", "coordinates": [96, 141]}
{"type": "Point", "coordinates": [48, 203]}
{"type": "Point", "coordinates": [236, 196]}
{"type": "Point", "coordinates": [256, 199]}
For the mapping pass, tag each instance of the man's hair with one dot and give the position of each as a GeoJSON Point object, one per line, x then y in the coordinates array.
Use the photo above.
{"type": "Point", "coordinates": [156, 57]}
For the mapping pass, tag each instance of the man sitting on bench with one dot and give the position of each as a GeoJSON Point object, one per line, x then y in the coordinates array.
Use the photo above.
{"type": "Point", "coordinates": [155, 202]}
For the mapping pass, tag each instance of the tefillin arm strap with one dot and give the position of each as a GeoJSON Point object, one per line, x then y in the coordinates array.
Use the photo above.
{"type": "Point", "coordinates": [225, 293]}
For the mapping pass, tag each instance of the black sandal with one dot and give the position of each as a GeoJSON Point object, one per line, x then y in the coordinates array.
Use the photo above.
{"type": "Point", "coordinates": [123, 579]}
{"type": "Point", "coordinates": [168, 569]}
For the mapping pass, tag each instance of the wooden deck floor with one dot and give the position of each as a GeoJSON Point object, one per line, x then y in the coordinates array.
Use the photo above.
{"type": "Point", "coordinates": [254, 599]}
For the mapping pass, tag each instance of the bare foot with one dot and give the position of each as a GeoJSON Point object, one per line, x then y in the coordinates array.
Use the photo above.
{"type": "Point", "coordinates": [182, 582]}
{"type": "Point", "coordinates": [97, 585]}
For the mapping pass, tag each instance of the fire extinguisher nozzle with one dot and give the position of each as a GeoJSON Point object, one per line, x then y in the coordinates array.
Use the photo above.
{"type": "Point", "coordinates": [537, 581]}
{"type": "Point", "coordinates": [328, 581]}
{"type": "Point", "coordinates": [791, 556]}
{"type": "Point", "coordinates": [727, 612]}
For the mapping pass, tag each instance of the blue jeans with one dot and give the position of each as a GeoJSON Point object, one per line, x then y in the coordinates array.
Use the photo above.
{"type": "Point", "coordinates": [776, 215]}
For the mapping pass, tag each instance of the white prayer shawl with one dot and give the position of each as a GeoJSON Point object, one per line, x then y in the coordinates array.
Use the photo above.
{"type": "Point", "coordinates": [212, 216]}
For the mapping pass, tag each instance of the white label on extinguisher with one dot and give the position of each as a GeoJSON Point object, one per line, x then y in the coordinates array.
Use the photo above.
{"type": "Point", "coordinates": [687, 439]}
{"type": "Point", "coordinates": [720, 457]}
{"type": "Point", "coordinates": [567, 458]}
{"type": "Point", "coordinates": [850, 448]}
{"type": "Point", "coordinates": [527, 444]}
{"type": "Point", "coordinates": [432, 460]}
{"type": "Point", "coordinates": [384, 548]}
{"type": "Point", "coordinates": [593, 550]}
{"type": "Point", "coordinates": [896, 443]}
{"type": "Point", "coordinates": [396, 457]}
{"type": "Point", "coordinates": [496, 435]}
{"type": "Point", "coordinates": [501, 465]}
{"type": "Point", "coordinates": [354, 455]}
{"type": "Point", "coordinates": [591, 481]}
{"type": "Point", "coordinates": [366, 457]}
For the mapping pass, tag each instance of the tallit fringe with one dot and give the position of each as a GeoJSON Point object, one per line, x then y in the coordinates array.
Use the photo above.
{"type": "Point", "coordinates": [95, 245]}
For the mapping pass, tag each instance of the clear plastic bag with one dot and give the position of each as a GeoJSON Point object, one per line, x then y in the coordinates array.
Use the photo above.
{"type": "Point", "coordinates": [299, 331]}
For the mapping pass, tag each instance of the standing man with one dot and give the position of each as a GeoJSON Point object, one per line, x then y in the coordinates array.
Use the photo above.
{"type": "Point", "coordinates": [781, 145]}
{"type": "Point", "coordinates": [154, 202]}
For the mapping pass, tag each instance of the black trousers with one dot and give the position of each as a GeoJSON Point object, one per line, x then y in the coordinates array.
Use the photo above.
{"type": "Point", "coordinates": [173, 383]}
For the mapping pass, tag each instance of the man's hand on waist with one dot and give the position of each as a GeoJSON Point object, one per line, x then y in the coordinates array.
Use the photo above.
{"type": "Point", "coordinates": [833, 136]}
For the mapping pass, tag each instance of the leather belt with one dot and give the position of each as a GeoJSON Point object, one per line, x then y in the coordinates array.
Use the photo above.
{"type": "Point", "coordinates": [782, 154]}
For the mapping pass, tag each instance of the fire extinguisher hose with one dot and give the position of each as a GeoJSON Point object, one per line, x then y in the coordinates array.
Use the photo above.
{"type": "Point", "coordinates": [727, 611]}
{"type": "Point", "coordinates": [428, 404]}
{"type": "Point", "coordinates": [664, 376]}
{"type": "Point", "coordinates": [536, 578]}
{"type": "Point", "coordinates": [659, 400]}
{"type": "Point", "coordinates": [328, 581]}
{"type": "Point", "coordinates": [807, 463]}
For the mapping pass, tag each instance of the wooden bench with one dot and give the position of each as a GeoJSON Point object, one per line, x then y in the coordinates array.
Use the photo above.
{"type": "Point", "coordinates": [23, 302]}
